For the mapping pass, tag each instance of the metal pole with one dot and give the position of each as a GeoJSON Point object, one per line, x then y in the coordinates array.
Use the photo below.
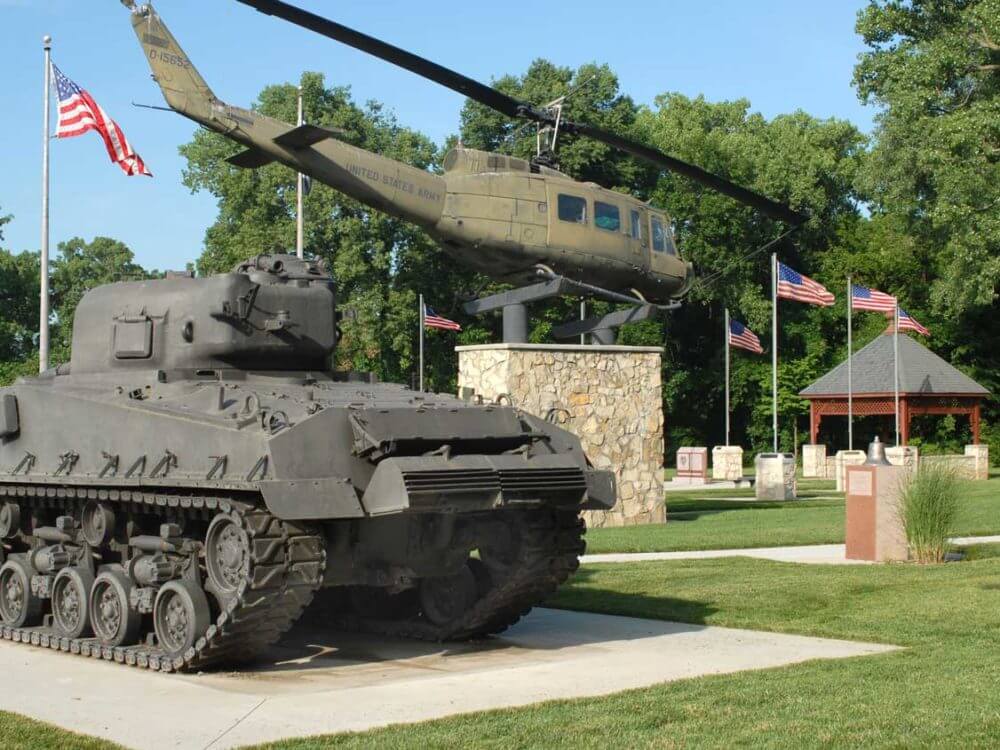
{"type": "Point", "coordinates": [895, 365]}
{"type": "Point", "coordinates": [850, 371]}
{"type": "Point", "coordinates": [299, 190]}
{"type": "Point", "coordinates": [774, 345]}
{"type": "Point", "coordinates": [421, 343]}
{"type": "Point", "coordinates": [583, 316]}
{"type": "Point", "coordinates": [43, 300]}
{"type": "Point", "coordinates": [726, 344]}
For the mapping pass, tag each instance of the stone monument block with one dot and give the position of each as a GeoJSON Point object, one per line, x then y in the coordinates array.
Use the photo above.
{"type": "Point", "coordinates": [609, 396]}
{"type": "Point", "coordinates": [727, 463]}
{"type": "Point", "coordinates": [874, 528]}
{"type": "Point", "coordinates": [775, 476]}
{"type": "Point", "coordinates": [907, 456]}
{"type": "Point", "coordinates": [814, 461]}
{"type": "Point", "coordinates": [843, 459]}
{"type": "Point", "coordinates": [981, 458]}
{"type": "Point", "coordinates": [692, 465]}
{"type": "Point", "coordinates": [830, 467]}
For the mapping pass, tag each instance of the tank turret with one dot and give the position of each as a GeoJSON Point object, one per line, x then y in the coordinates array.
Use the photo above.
{"type": "Point", "coordinates": [273, 312]}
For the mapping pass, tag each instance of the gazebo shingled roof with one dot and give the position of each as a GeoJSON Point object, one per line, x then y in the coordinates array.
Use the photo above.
{"type": "Point", "coordinates": [927, 385]}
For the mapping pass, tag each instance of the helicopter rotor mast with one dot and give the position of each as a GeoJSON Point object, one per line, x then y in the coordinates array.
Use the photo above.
{"type": "Point", "coordinates": [550, 116]}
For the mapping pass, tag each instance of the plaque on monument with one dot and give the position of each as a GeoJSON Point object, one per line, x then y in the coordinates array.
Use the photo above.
{"type": "Point", "coordinates": [692, 465]}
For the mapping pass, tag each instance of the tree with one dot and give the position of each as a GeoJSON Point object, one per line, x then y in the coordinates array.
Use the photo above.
{"type": "Point", "coordinates": [934, 69]}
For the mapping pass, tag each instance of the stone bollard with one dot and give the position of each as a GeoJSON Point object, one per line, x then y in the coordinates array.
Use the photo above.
{"type": "Point", "coordinates": [843, 459]}
{"type": "Point", "coordinates": [873, 526]}
{"type": "Point", "coordinates": [981, 456]}
{"type": "Point", "coordinates": [814, 461]}
{"type": "Point", "coordinates": [727, 463]}
{"type": "Point", "coordinates": [830, 468]}
{"type": "Point", "coordinates": [692, 466]}
{"type": "Point", "coordinates": [906, 456]}
{"type": "Point", "coordinates": [775, 476]}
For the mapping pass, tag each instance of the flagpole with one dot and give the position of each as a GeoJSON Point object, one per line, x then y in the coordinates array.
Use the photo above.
{"type": "Point", "coordinates": [774, 345]}
{"type": "Point", "coordinates": [850, 370]}
{"type": "Point", "coordinates": [421, 343]}
{"type": "Point", "coordinates": [895, 364]}
{"type": "Point", "coordinates": [43, 299]}
{"type": "Point", "coordinates": [299, 189]}
{"type": "Point", "coordinates": [726, 344]}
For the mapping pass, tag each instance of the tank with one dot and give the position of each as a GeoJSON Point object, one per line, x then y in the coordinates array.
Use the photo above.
{"type": "Point", "coordinates": [196, 477]}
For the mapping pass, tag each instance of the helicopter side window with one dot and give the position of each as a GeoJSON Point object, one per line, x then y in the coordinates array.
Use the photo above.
{"type": "Point", "coordinates": [636, 231]}
{"type": "Point", "coordinates": [573, 208]}
{"type": "Point", "coordinates": [607, 216]}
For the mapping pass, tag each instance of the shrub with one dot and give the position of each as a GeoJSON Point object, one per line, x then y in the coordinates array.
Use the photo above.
{"type": "Point", "coordinates": [928, 505]}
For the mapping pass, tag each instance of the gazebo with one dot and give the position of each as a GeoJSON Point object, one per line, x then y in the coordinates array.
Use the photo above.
{"type": "Point", "coordinates": [927, 385]}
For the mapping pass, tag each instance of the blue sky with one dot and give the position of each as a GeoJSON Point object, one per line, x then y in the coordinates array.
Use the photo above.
{"type": "Point", "coordinates": [782, 55]}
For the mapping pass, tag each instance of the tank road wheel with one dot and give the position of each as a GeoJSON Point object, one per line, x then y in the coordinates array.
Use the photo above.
{"type": "Point", "coordinates": [113, 621]}
{"type": "Point", "coordinates": [227, 555]}
{"type": "Point", "coordinates": [180, 616]}
{"type": "Point", "coordinates": [444, 599]}
{"type": "Point", "coordinates": [70, 598]}
{"type": "Point", "coordinates": [19, 607]}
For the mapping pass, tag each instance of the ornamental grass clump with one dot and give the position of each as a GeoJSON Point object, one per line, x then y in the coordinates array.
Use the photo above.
{"type": "Point", "coordinates": [929, 504]}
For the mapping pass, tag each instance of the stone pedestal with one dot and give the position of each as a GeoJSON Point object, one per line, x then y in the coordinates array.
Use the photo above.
{"type": "Point", "coordinates": [692, 466]}
{"type": "Point", "coordinates": [906, 456]}
{"type": "Point", "coordinates": [830, 467]}
{"type": "Point", "coordinates": [814, 461]}
{"type": "Point", "coordinates": [609, 396]}
{"type": "Point", "coordinates": [775, 476]}
{"type": "Point", "coordinates": [874, 529]}
{"type": "Point", "coordinates": [981, 458]}
{"type": "Point", "coordinates": [842, 460]}
{"type": "Point", "coordinates": [727, 463]}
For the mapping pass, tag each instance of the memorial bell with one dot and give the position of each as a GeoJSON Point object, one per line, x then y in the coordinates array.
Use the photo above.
{"type": "Point", "coordinates": [876, 454]}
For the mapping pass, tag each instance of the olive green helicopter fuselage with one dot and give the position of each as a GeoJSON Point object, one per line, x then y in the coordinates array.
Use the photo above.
{"type": "Point", "coordinates": [499, 215]}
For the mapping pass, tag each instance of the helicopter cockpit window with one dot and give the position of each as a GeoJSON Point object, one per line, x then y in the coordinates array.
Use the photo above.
{"type": "Point", "coordinates": [572, 208]}
{"type": "Point", "coordinates": [607, 216]}
{"type": "Point", "coordinates": [660, 240]}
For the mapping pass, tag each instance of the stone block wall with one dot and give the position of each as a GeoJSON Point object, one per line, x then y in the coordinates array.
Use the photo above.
{"type": "Point", "coordinates": [609, 396]}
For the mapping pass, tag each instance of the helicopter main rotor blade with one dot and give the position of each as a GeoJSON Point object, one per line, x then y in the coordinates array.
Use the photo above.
{"type": "Point", "coordinates": [414, 63]}
{"type": "Point", "coordinates": [763, 204]}
{"type": "Point", "coordinates": [516, 108]}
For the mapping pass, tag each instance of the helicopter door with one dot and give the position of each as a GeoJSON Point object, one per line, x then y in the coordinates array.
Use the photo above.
{"type": "Point", "coordinates": [569, 224]}
{"type": "Point", "coordinates": [610, 238]}
{"type": "Point", "coordinates": [638, 238]}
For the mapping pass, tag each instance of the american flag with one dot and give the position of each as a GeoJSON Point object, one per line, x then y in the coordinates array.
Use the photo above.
{"type": "Point", "coordinates": [796, 286]}
{"type": "Point", "coordinates": [433, 320]}
{"type": "Point", "coordinates": [743, 338]}
{"type": "Point", "coordinates": [863, 298]}
{"type": "Point", "coordinates": [909, 323]}
{"type": "Point", "coordinates": [78, 113]}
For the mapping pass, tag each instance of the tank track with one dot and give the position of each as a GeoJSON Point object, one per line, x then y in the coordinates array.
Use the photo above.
{"type": "Point", "coordinates": [551, 543]}
{"type": "Point", "coordinates": [287, 564]}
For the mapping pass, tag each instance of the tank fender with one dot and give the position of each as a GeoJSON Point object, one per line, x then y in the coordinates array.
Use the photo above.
{"type": "Point", "coordinates": [311, 499]}
{"type": "Point", "coordinates": [602, 493]}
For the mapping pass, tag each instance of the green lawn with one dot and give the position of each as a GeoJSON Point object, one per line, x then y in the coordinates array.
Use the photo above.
{"type": "Point", "coordinates": [941, 691]}
{"type": "Point", "coordinates": [708, 520]}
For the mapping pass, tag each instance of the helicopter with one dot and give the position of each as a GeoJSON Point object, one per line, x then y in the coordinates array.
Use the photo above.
{"type": "Point", "coordinates": [509, 218]}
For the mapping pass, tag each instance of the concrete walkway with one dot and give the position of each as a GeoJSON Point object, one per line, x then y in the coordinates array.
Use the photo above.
{"type": "Point", "coordinates": [318, 682]}
{"type": "Point", "coordinates": [815, 554]}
